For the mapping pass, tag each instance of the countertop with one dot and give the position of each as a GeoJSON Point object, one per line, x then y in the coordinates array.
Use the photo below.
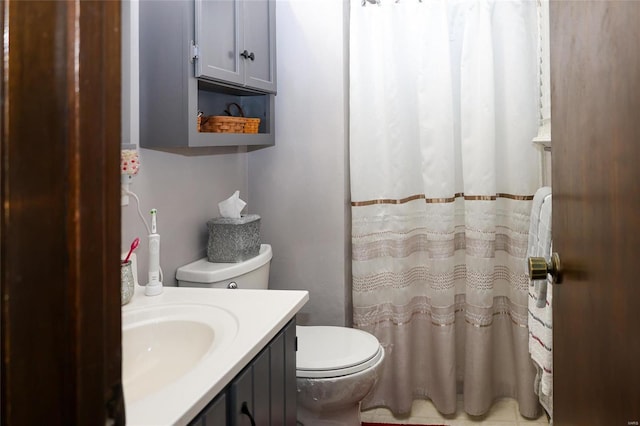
{"type": "Point", "coordinates": [261, 314]}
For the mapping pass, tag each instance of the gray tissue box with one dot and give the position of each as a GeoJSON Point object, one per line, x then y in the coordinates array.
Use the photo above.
{"type": "Point", "coordinates": [233, 240]}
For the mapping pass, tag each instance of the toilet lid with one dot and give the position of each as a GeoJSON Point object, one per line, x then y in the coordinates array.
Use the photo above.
{"type": "Point", "coordinates": [334, 351]}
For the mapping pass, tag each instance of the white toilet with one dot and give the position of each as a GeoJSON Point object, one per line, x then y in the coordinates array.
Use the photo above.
{"type": "Point", "coordinates": [336, 367]}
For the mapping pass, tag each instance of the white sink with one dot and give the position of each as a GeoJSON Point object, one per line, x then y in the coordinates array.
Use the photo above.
{"type": "Point", "coordinates": [161, 344]}
{"type": "Point", "coordinates": [184, 346]}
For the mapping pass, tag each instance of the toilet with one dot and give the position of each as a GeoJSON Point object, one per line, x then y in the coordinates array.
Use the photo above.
{"type": "Point", "coordinates": [336, 367]}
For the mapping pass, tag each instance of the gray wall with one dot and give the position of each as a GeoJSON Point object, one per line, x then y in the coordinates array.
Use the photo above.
{"type": "Point", "coordinates": [299, 187]}
{"type": "Point", "coordinates": [186, 191]}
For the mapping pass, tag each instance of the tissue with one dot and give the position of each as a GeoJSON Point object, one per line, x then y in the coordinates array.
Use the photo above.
{"type": "Point", "coordinates": [232, 206]}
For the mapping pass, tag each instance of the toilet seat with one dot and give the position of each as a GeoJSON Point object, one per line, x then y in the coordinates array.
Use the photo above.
{"type": "Point", "coordinates": [325, 351]}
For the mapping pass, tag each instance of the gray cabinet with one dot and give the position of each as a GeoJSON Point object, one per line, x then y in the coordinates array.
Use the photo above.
{"type": "Point", "coordinates": [214, 414]}
{"type": "Point", "coordinates": [263, 392]}
{"type": "Point", "coordinates": [173, 88]}
{"type": "Point", "coordinates": [235, 42]}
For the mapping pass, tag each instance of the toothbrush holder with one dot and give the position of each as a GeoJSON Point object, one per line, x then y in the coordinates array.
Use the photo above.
{"type": "Point", "coordinates": [126, 282]}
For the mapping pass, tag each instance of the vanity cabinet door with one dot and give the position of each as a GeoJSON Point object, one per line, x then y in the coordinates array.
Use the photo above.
{"type": "Point", "coordinates": [282, 385]}
{"type": "Point", "coordinates": [264, 393]}
{"type": "Point", "coordinates": [291, 393]}
{"type": "Point", "coordinates": [277, 384]}
{"type": "Point", "coordinates": [261, 393]}
{"type": "Point", "coordinates": [268, 384]}
{"type": "Point", "coordinates": [241, 398]}
{"type": "Point", "coordinates": [214, 414]}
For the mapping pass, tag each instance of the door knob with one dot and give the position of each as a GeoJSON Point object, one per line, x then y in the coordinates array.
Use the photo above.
{"type": "Point", "coordinates": [539, 268]}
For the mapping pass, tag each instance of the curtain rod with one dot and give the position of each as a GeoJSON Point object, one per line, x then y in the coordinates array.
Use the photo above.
{"type": "Point", "coordinates": [378, 2]}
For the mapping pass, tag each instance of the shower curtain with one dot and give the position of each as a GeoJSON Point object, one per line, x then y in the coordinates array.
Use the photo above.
{"type": "Point", "coordinates": [443, 106]}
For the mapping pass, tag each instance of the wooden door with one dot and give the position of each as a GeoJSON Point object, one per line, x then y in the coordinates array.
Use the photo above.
{"type": "Point", "coordinates": [60, 213]}
{"type": "Point", "coordinates": [595, 110]}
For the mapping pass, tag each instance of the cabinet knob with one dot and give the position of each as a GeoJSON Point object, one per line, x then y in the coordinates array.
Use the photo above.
{"type": "Point", "coordinates": [245, 54]}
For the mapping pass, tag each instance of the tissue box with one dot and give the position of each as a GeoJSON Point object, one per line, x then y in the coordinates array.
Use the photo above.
{"type": "Point", "coordinates": [233, 240]}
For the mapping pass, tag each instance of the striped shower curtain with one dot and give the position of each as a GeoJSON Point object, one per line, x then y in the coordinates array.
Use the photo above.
{"type": "Point", "coordinates": [443, 106]}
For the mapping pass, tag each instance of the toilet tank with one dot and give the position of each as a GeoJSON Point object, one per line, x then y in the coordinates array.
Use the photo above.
{"type": "Point", "coordinates": [252, 273]}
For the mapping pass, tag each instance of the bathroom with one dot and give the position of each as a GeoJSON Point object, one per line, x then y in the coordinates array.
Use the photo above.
{"type": "Point", "coordinates": [300, 187]}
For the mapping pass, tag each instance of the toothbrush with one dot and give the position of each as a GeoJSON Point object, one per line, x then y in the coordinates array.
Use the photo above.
{"type": "Point", "coordinates": [134, 245]}
{"type": "Point", "coordinates": [154, 286]}
{"type": "Point", "coordinates": [153, 221]}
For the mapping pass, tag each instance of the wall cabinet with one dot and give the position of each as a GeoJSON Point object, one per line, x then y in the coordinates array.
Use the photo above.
{"type": "Point", "coordinates": [235, 42]}
{"type": "Point", "coordinates": [192, 59]}
{"type": "Point", "coordinates": [263, 393]}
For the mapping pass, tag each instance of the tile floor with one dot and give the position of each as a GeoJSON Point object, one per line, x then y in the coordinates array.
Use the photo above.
{"type": "Point", "coordinates": [503, 413]}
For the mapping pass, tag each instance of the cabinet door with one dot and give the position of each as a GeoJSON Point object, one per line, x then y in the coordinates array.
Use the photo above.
{"type": "Point", "coordinates": [219, 36]}
{"type": "Point", "coordinates": [213, 414]}
{"type": "Point", "coordinates": [259, 42]}
{"type": "Point", "coordinates": [241, 393]}
{"type": "Point", "coordinates": [277, 385]}
{"type": "Point", "coordinates": [261, 390]}
{"type": "Point", "coordinates": [267, 386]}
{"type": "Point", "coordinates": [290, 348]}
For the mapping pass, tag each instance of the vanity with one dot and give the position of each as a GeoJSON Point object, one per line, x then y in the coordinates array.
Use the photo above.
{"type": "Point", "coordinates": [195, 356]}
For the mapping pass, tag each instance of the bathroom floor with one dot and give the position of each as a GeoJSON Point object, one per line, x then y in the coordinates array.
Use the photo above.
{"type": "Point", "coordinates": [503, 413]}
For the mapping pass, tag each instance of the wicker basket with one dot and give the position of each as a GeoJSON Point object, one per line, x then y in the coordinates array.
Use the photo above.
{"type": "Point", "coordinates": [228, 123]}
{"type": "Point", "coordinates": [220, 124]}
{"type": "Point", "coordinates": [251, 125]}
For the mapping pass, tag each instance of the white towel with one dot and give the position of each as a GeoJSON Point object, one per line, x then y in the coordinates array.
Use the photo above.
{"type": "Point", "coordinates": [534, 248]}
{"type": "Point", "coordinates": [540, 299]}
{"type": "Point", "coordinates": [539, 243]}
{"type": "Point", "coordinates": [544, 249]}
